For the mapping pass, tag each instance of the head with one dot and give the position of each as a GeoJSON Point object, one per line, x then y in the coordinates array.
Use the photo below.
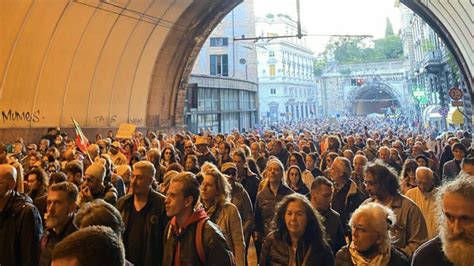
{"type": "Point", "coordinates": [8, 176]}
{"type": "Point", "coordinates": [60, 205]}
{"type": "Point", "coordinates": [94, 176]}
{"type": "Point", "coordinates": [215, 188]}
{"type": "Point", "coordinates": [274, 171]}
{"type": "Point", "coordinates": [384, 154]}
{"type": "Point", "coordinates": [182, 195]}
{"type": "Point", "coordinates": [37, 180]}
{"type": "Point", "coordinates": [297, 159]}
{"type": "Point", "coordinates": [74, 172]}
{"type": "Point", "coordinates": [293, 177]}
{"type": "Point", "coordinates": [467, 166]}
{"type": "Point", "coordinates": [294, 216]}
{"type": "Point", "coordinates": [459, 151]}
{"type": "Point", "coordinates": [370, 225]}
{"type": "Point", "coordinates": [321, 193]}
{"type": "Point", "coordinates": [424, 179]}
{"type": "Point", "coordinates": [311, 160]}
{"type": "Point", "coordinates": [409, 169]}
{"type": "Point", "coordinates": [359, 162]}
{"type": "Point", "coordinates": [422, 160]}
{"type": "Point", "coordinates": [456, 220]}
{"type": "Point", "coordinates": [340, 169]}
{"type": "Point", "coordinates": [255, 149]}
{"type": "Point", "coordinates": [380, 180]}
{"type": "Point", "coordinates": [124, 171]}
{"type": "Point", "coordinates": [142, 177]}
{"type": "Point", "coordinates": [240, 160]}
{"type": "Point", "coordinates": [115, 147]}
{"type": "Point", "coordinates": [349, 154]}
{"type": "Point", "coordinates": [88, 246]}
{"type": "Point", "coordinates": [99, 212]}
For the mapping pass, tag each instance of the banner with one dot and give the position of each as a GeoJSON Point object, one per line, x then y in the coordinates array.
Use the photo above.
{"type": "Point", "coordinates": [126, 131]}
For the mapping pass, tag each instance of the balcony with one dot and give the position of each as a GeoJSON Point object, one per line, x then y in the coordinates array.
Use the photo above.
{"type": "Point", "coordinates": [432, 61]}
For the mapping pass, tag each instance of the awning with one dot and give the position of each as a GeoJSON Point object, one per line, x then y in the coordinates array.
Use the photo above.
{"type": "Point", "coordinates": [455, 117]}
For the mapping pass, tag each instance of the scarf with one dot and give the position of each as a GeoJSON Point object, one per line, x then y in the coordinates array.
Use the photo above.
{"type": "Point", "coordinates": [178, 232]}
{"type": "Point", "coordinates": [358, 259]}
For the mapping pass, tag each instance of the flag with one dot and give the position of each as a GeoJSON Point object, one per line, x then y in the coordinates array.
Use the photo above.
{"type": "Point", "coordinates": [81, 141]}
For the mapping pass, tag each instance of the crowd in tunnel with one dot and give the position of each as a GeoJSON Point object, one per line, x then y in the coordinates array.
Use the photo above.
{"type": "Point", "coordinates": [356, 191]}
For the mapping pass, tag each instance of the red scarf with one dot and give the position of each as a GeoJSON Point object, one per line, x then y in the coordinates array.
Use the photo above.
{"type": "Point", "coordinates": [177, 232]}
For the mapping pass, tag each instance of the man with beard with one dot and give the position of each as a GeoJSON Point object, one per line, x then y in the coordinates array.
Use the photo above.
{"type": "Point", "coordinates": [20, 223]}
{"type": "Point", "coordinates": [455, 243]}
{"type": "Point", "coordinates": [61, 206]}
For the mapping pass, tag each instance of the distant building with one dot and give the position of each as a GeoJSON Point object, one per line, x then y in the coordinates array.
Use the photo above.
{"type": "Point", "coordinates": [222, 91]}
{"type": "Point", "coordinates": [287, 88]}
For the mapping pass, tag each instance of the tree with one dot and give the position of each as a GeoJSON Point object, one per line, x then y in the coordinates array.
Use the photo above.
{"type": "Point", "coordinates": [388, 28]}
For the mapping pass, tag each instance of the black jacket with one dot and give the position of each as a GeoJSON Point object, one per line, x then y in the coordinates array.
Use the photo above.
{"type": "Point", "coordinates": [156, 221]}
{"type": "Point", "coordinates": [20, 231]}
{"type": "Point", "coordinates": [277, 252]}
{"type": "Point", "coordinates": [50, 239]}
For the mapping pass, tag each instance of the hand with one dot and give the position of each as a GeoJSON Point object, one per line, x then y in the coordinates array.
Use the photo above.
{"type": "Point", "coordinates": [86, 194]}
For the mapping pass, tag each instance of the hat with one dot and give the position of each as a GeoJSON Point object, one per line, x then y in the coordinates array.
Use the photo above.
{"type": "Point", "coordinates": [96, 170]}
{"type": "Point", "coordinates": [201, 140]}
{"type": "Point", "coordinates": [116, 144]}
{"type": "Point", "coordinates": [228, 166]}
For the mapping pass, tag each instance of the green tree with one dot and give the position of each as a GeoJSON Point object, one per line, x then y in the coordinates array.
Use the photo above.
{"type": "Point", "coordinates": [388, 28]}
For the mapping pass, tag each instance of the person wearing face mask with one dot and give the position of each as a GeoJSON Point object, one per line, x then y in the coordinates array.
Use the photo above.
{"type": "Point", "coordinates": [371, 239]}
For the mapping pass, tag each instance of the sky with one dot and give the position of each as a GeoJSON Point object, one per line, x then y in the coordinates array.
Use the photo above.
{"type": "Point", "coordinates": [335, 17]}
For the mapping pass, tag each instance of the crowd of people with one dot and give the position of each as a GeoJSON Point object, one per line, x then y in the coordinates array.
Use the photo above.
{"type": "Point", "coordinates": [355, 192]}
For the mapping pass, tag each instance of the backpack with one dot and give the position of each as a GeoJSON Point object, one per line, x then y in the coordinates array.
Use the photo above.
{"type": "Point", "coordinates": [199, 246]}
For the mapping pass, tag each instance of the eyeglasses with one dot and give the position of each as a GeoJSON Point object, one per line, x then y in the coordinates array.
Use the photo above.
{"type": "Point", "coordinates": [188, 147]}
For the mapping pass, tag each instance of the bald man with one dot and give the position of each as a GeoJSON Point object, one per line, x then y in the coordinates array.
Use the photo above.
{"type": "Point", "coordinates": [20, 223]}
{"type": "Point", "coordinates": [424, 195]}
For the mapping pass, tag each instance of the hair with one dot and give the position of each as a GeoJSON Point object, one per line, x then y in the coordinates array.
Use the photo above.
{"type": "Point", "coordinates": [423, 157]}
{"type": "Point", "coordinates": [299, 159]}
{"type": "Point", "coordinates": [381, 219]}
{"type": "Point", "coordinates": [190, 185]}
{"type": "Point", "coordinates": [57, 178]}
{"type": "Point", "coordinates": [241, 154]}
{"type": "Point", "coordinates": [347, 166]}
{"type": "Point", "coordinates": [223, 187]}
{"type": "Point", "coordinates": [156, 156]}
{"type": "Point", "coordinates": [315, 157]}
{"type": "Point", "coordinates": [147, 167]}
{"type": "Point", "coordinates": [385, 175]}
{"type": "Point", "coordinates": [459, 146]}
{"type": "Point", "coordinates": [467, 160]}
{"type": "Point", "coordinates": [300, 182]}
{"type": "Point", "coordinates": [280, 165]}
{"type": "Point", "coordinates": [409, 165]}
{"type": "Point", "coordinates": [252, 166]}
{"type": "Point", "coordinates": [173, 153]}
{"type": "Point", "coordinates": [67, 187]}
{"type": "Point", "coordinates": [41, 177]}
{"type": "Point", "coordinates": [314, 233]}
{"type": "Point", "coordinates": [176, 167]}
{"type": "Point", "coordinates": [334, 142]}
{"type": "Point", "coordinates": [320, 181]}
{"type": "Point", "coordinates": [89, 245]}
{"type": "Point", "coordinates": [74, 167]}
{"type": "Point", "coordinates": [99, 212]}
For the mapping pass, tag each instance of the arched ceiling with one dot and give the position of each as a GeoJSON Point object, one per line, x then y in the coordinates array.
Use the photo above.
{"type": "Point", "coordinates": [113, 61]}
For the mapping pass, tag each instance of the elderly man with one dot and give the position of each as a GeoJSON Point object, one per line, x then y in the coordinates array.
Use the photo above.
{"type": "Point", "coordinates": [424, 197]}
{"type": "Point", "coordinates": [144, 216]}
{"type": "Point", "coordinates": [358, 174]}
{"type": "Point", "coordinates": [61, 206]}
{"type": "Point", "coordinates": [384, 155]}
{"type": "Point", "coordinates": [383, 186]}
{"type": "Point", "coordinates": [117, 157]}
{"type": "Point", "coordinates": [347, 196]}
{"type": "Point", "coordinates": [455, 212]}
{"type": "Point", "coordinates": [20, 223]}
{"type": "Point", "coordinates": [95, 187]}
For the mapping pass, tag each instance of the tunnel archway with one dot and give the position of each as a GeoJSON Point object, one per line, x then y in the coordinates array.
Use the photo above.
{"type": "Point", "coordinates": [378, 98]}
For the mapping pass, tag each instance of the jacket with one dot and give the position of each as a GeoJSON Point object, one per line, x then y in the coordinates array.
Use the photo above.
{"type": "Point", "coordinates": [277, 252]}
{"type": "Point", "coordinates": [240, 198]}
{"type": "Point", "coordinates": [265, 208]}
{"type": "Point", "coordinates": [216, 250]}
{"type": "Point", "coordinates": [227, 218]}
{"type": "Point", "coordinates": [334, 229]}
{"type": "Point", "coordinates": [51, 238]}
{"type": "Point", "coordinates": [397, 258]}
{"type": "Point", "coordinates": [156, 221]}
{"type": "Point", "coordinates": [20, 231]}
{"type": "Point", "coordinates": [352, 200]}
{"type": "Point", "coordinates": [410, 230]}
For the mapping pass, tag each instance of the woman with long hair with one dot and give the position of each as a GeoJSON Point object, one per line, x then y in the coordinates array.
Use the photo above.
{"type": "Point", "coordinates": [294, 180]}
{"type": "Point", "coordinates": [215, 198]}
{"type": "Point", "coordinates": [408, 175]}
{"type": "Point", "coordinates": [297, 237]}
{"type": "Point", "coordinates": [297, 159]}
{"type": "Point", "coordinates": [168, 155]}
{"type": "Point", "coordinates": [371, 239]}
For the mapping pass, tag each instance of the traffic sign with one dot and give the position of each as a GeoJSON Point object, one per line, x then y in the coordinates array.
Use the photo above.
{"type": "Point", "coordinates": [457, 103]}
{"type": "Point", "coordinates": [455, 93]}
{"type": "Point", "coordinates": [443, 111]}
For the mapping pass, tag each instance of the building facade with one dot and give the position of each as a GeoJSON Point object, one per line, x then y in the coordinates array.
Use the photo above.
{"type": "Point", "coordinates": [287, 88]}
{"type": "Point", "coordinates": [431, 69]}
{"type": "Point", "coordinates": [222, 91]}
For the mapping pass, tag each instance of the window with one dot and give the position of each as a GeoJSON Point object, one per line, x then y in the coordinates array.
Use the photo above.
{"type": "Point", "coordinates": [273, 91]}
{"type": "Point", "coordinates": [219, 42]}
{"type": "Point", "coordinates": [272, 70]}
{"type": "Point", "coordinates": [271, 54]}
{"type": "Point", "coordinates": [219, 65]}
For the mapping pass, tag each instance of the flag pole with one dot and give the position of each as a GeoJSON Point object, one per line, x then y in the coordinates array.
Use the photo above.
{"type": "Point", "coordinates": [81, 136]}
